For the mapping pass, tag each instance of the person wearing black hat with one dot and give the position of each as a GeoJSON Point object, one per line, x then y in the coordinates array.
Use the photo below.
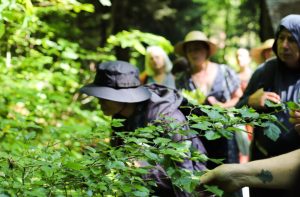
{"type": "Point", "coordinates": [120, 94]}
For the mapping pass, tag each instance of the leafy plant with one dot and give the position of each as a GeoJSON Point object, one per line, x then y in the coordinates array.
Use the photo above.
{"type": "Point", "coordinates": [52, 144]}
{"type": "Point", "coordinates": [195, 97]}
{"type": "Point", "coordinates": [80, 161]}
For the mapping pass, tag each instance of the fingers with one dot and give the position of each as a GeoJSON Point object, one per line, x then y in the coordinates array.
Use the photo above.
{"type": "Point", "coordinates": [295, 113]}
{"type": "Point", "coordinates": [257, 99]}
{"type": "Point", "coordinates": [206, 178]}
{"type": "Point", "coordinates": [272, 97]}
{"type": "Point", "coordinates": [295, 119]}
{"type": "Point", "coordinates": [212, 100]}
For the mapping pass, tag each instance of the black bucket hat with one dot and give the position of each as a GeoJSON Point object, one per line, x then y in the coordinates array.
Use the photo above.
{"type": "Point", "coordinates": [117, 81]}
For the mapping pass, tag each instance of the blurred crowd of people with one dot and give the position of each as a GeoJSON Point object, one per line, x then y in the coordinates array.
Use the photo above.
{"type": "Point", "coordinates": [141, 97]}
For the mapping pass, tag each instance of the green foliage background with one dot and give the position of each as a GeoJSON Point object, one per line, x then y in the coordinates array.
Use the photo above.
{"type": "Point", "coordinates": [55, 142]}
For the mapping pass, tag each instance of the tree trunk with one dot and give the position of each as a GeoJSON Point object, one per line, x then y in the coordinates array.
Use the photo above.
{"type": "Point", "coordinates": [119, 22]}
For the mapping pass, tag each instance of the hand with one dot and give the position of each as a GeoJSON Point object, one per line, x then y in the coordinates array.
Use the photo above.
{"type": "Point", "coordinates": [227, 177]}
{"type": "Point", "coordinates": [295, 119]}
{"type": "Point", "coordinates": [213, 101]}
{"type": "Point", "coordinates": [258, 98]}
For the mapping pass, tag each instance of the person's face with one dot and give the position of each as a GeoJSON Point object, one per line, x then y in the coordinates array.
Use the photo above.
{"type": "Point", "coordinates": [110, 108]}
{"type": "Point", "coordinates": [243, 57]}
{"type": "Point", "coordinates": [156, 60]}
{"type": "Point", "coordinates": [196, 52]}
{"type": "Point", "coordinates": [287, 49]}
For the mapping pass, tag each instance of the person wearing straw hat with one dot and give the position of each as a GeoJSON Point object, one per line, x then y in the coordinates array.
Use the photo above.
{"type": "Point", "coordinates": [219, 83]}
{"type": "Point", "coordinates": [261, 53]}
{"type": "Point", "coordinates": [121, 95]}
{"type": "Point", "coordinates": [277, 80]}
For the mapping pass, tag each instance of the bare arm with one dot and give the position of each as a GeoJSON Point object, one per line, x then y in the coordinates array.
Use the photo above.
{"type": "Point", "coordinates": [277, 172]}
{"type": "Point", "coordinates": [235, 97]}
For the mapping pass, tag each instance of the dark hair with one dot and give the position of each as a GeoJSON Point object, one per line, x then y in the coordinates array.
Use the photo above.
{"type": "Point", "coordinates": [180, 65]}
{"type": "Point", "coordinates": [206, 46]}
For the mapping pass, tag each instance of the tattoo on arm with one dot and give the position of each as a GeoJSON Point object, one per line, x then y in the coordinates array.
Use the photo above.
{"type": "Point", "coordinates": [265, 176]}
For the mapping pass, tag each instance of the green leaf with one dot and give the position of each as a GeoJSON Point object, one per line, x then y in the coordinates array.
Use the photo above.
{"type": "Point", "coordinates": [139, 47]}
{"type": "Point", "coordinates": [271, 104]}
{"type": "Point", "coordinates": [4, 155]}
{"type": "Point", "coordinates": [217, 161]}
{"type": "Point", "coordinates": [117, 165]}
{"type": "Point", "coordinates": [90, 149]}
{"type": "Point", "coordinates": [30, 135]}
{"type": "Point", "coordinates": [47, 170]}
{"type": "Point", "coordinates": [226, 133]}
{"type": "Point", "coordinates": [169, 151]}
{"type": "Point", "coordinates": [151, 155]}
{"type": "Point", "coordinates": [142, 191]}
{"type": "Point", "coordinates": [141, 188]}
{"type": "Point", "coordinates": [117, 122]}
{"type": "Point", "coordinates": [141, 170]}
{"type": "Point", "coordinates": [195, 97]}
{"type": "Point", "coordinates": [74, 165]}
{"type": "Point", "coordinates": [180, 146]}
{"type": "Point", "coordinates": [204, 125]}
{"type": "Point", "coordinates": [2, 29]}
{"type": "Point", "coordinates": [248, 113]}
{"type": "Point", "coordinates": [211, 135]}
{"type": "Point", "coordinates": [272, 131]}
{"type": "Point", "coordinates": [70, 54]}
{"type": "Point", "coordinates": [293, 106]}
{"type": "Point", "coordinates": [102, 186]}
{"type": "Point", "coordinates": [140, 194]}
{"type": "Point", "coordinates": [199, 157]}
{"type": "Point", "coordinates": [214, 115]}
{"type": "Point", "coordinates": [126, 188]}
{"type": "Point", "coordinates": [161, 141]}
{"type": "Point", "coordinates": [214, 189]}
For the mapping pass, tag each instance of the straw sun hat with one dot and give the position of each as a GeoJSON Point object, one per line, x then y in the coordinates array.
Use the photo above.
{"type": "Point", "coordinates": [195, 36]}
{"type": "Point", "coordinates": [256, 53]}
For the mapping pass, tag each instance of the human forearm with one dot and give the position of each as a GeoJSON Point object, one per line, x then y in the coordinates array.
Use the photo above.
{"type": "Point", "coordinates": [235, 97]}
{"type": "Point", "coordinates": [231, 103]}
{"type": "Point", "coordinates": [276, 172]}
{"type": "Point", "coordinates": [242, 102]}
